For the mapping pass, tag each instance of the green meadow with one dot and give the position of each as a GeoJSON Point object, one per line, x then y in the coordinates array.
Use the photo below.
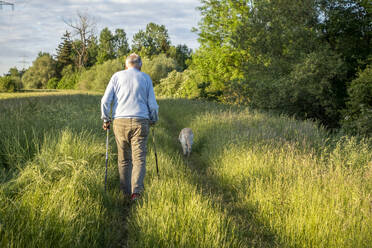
{"type": "Point", "coordinates": [254, 179]}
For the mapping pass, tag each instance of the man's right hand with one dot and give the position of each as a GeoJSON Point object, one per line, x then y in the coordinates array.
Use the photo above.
{"type": "Point", "coordinates": [106, 125]}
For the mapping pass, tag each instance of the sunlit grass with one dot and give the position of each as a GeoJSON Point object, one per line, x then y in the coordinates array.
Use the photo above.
{"type": "Point", "coordinates": [253, 180]}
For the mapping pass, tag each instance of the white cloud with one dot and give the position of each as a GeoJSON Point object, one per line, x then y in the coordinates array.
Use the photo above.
{"type": "Point", "coordinates": [38, 25]}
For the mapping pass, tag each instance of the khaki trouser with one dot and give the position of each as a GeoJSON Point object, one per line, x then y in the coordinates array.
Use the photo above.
{"type": "Point", "coordinates": [131, 139]}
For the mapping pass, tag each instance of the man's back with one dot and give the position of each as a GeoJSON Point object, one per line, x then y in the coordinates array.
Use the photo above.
{"type": "Point", "coordinates": [131, 93]}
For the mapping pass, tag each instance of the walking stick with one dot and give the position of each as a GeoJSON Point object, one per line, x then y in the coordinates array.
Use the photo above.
{"type": "Point", "coordinates": [107, 139]}
{"type": "Point", "coordinates": [156, 155]}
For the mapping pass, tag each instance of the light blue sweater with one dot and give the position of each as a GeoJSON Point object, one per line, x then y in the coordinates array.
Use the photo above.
{"type": "Point", "coordinates": [131, 94]}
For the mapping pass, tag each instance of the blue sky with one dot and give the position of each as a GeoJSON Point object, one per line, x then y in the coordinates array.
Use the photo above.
{"type": "Point", "coordinates": [38, 25]}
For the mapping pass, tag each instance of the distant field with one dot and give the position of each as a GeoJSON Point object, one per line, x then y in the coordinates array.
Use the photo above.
{"type": "Point", "coordinates": [31, 93]}
{"type": "Point", "coordinates": [253, 179]}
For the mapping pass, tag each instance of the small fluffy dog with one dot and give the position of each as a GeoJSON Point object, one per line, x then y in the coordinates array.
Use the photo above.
{"type": "Point", "coordinates": [186, 138]}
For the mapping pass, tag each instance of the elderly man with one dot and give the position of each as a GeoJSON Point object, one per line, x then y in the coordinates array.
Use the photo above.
{"type": "Point", "coordinates": [134, 108]}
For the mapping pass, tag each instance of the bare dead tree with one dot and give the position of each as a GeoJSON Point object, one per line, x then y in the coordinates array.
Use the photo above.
{"type": "Point", "coordinates": [6, 3]}
{"type": "Point", "coordinates": [83, 27]}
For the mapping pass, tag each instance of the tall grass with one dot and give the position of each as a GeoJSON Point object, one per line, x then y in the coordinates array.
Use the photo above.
{"type": "Point", "coordinates": [51, 192]}
{"type": "Point", "coordinates": [306, 187]}
{"type": "Point", "coordinates": [253, 180]}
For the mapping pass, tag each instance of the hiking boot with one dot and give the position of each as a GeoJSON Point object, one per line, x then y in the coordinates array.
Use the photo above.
{"type": "Point", "coordinates": [135, 196]}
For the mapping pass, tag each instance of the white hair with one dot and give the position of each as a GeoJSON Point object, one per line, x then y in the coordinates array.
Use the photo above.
{"type": "Point", "coordinates": [134, 60]}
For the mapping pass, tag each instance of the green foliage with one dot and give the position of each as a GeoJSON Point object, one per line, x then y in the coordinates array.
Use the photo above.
{"type": "Point", "coordinates": [38, 75]}
{"type": "Point", "coordinates": [358, 112]}
{"type": "Point", "coordinates": [217, 66]}
{"type": "Point", "coordinates": [121, 45]}
{"type": "Point", "coordinates": [106, 46]}
{"type": "Point", "coordinates": [310, 91]}
{"type": "Point", "coordinates": [281, 55]}
{"type": "Point", "coordinates": [158, 67]}
{"type": "Point", "coordinates": [153, 41]}
{"type": "Point", "coordinates": [7, 84]}
{"type": "Point", "coordinates": [179, 84]}
{"type": "Point", "coordinates": [169, 86]}
{"type": "Point", "coordinates": [347, 27]}
{"type": "Point", "coordinates": [52, 83]}
{"type": "Point", "coordinates": [16, 77]}
{"type": "Point", "coordinates": [98, 76]}
{"type": "Point", "coordinates": [181, 54]}
{"type": "Point", "coordinates": [92, 50]}
{"type": "Point", "coordinates": [69, 79]}
{"type": "Point", "coordinates": [64, 52]}
{"type": "Point", "coordinates": [112, 45]}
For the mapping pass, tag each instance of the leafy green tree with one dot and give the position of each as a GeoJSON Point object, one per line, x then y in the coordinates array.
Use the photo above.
{"type": "Point", "coordinates": [7, 84]}
{"type": "Point", "coordinates": [106, 46]}
{"type": "Point", "coordinates": [38, 75]}
{"type": "Point", "coordinates": [181, 54]}
{"type": "Point", "coordinates": [346, 26]}
{"type": "Point", "coordinates": [121, 45]}
{"type": "Point", "coordinates": [140, 43]}
{"type": "Point", "coordinates": [309, 91]}
{"type": "Point", "coordinates": [16, 76]}
{"type": "Point", "coordinates": [92, 51]}
{"type": "Point", "coordinates": [154, 40]}
{"type": "Point", "coordinates": [266, 50]}
{"type": "Point", "coordinates": [357, 117]}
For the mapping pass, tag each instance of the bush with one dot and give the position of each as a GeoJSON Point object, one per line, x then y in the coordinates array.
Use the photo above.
{"type": "Point", "coordinates": [97, 77]}
{"type": "Point", "coordinates": [158, 67]}
{"type": "Point", "coordinates": [69, 79]}
{"type": "Point", "coordinates": [312, 87]}
{"type": "Point", "coordinates": [179, 84]}
{"type": "Point", "coordinates": [7, 84]}
{"type": "Point", "coordinates": [358, 112]}
{"type": "Point", "coordinates": [52, 83]}
{"type": "Point", "coordinates": [309, 89]}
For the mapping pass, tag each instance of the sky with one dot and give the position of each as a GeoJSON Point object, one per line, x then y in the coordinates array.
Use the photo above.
{"type": "Point", "coordinates": [38, 25]}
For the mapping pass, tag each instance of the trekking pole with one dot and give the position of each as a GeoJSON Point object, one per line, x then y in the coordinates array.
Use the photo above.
{"type": "Point", "coordinates": [107, 139]}
{"type": "Point", "coordinates": [156, 155]}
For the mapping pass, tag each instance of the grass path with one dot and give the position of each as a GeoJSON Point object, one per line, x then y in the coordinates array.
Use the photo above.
{"type": "Point", "coordinates": [252, 231]}
{"type": "Point", "coordinates": [253, 180]}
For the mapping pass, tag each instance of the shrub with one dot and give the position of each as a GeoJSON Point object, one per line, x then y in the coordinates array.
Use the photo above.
{"type": "Point", "coordinates": [7, 84]}
{"type": "Point", "coordinates": [158, 67]}
{"type": "Point", "coordinates": [97, 77]}
{"type": "Point", "coordinates": [179, 84]}
{"type": "Point", "coordinates": [169, 86]}
{"type": "Point", "coordinates": [52, 83]}
{"type": "Point", "coordinates": [358, 112]}
{"type": "Point", "coordinates": [69, 78]}
{"type": "Point", "coordinates": [311, 89]}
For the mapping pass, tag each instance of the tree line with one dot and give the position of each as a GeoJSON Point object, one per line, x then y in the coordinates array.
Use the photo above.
{"type": "Point", "coordinates": [308, 58]}
{"type": "Point", "coordinates": [82, 52]}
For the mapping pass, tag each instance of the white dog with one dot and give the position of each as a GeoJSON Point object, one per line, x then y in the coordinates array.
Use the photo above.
{"type": "Point", "coordinates": [186, 138]}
